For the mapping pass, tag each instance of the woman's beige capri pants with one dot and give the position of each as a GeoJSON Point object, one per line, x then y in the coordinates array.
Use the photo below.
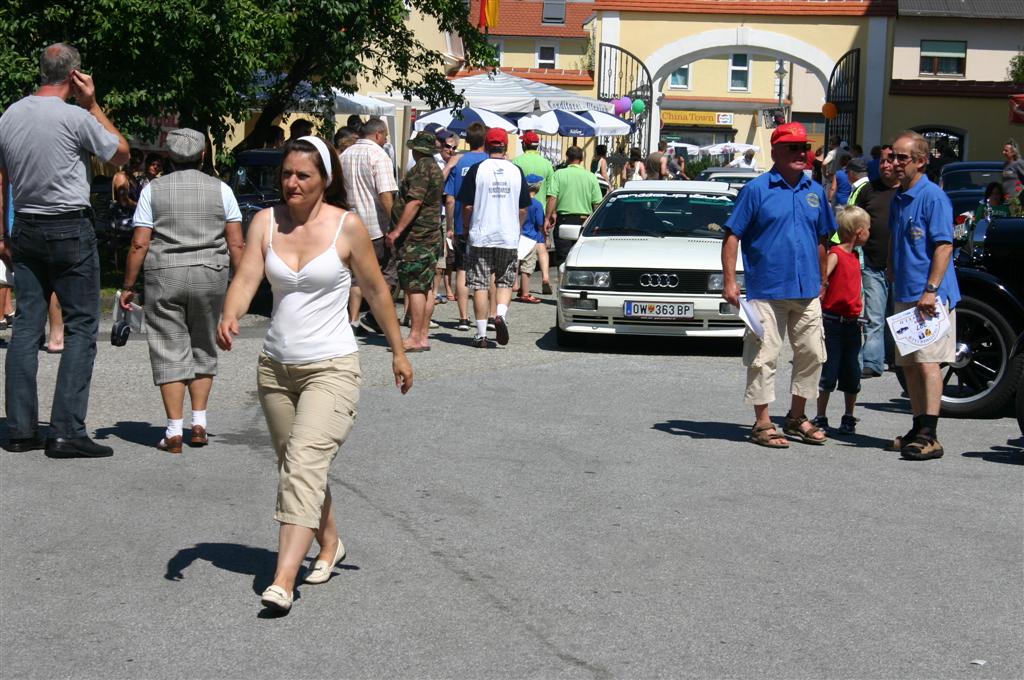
{"type": "Point", "coordinates": [310, 409]}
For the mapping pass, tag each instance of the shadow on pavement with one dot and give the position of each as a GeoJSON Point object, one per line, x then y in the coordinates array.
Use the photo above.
{"type": "Point", "coordinates": [239, 559]}
{"type": "Point", "coordinates": [895, 405]}
{"type": "Point", "coordinates": [1011, 454]}
{"type": "Point", "coordinates": [645, 345]}
{"type": "Point", "coordinates": [704, 429]}
{"type": "Point", "coordinates": [136, 432]}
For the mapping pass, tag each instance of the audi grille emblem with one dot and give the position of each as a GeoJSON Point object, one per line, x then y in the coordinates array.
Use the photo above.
{"type": "Point", "coordinates": [659, 280]}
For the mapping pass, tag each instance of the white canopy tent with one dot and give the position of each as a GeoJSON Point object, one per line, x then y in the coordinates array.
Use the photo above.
{"type": "Point", "coordinates": [504, 93]}
{"type": "Point", "coordinates": [345, 103]}
{"type": "Point", "coordinates": [728, 148]}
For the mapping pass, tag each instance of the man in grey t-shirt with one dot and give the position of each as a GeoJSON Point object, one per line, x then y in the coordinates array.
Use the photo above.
{"type": "Point", "coordinates": [45, 145]}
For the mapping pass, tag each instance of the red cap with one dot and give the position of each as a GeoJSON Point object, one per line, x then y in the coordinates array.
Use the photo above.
{"type": "Point", "coordinates": [496, 137]}
{"type": "Point", "coordinates": [789, 132]}
{"type": "Point", "coordinates": [530, 137]}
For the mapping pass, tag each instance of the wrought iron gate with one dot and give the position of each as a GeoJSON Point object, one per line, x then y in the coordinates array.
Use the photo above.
{"type": "Point", "coordinates": [621, 73]}
{"type": "Point", "coordinates": [844, 92]}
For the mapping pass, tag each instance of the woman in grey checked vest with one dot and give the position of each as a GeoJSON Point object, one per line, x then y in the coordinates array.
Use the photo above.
{"type": "Point", "coordinates": [187, 228]}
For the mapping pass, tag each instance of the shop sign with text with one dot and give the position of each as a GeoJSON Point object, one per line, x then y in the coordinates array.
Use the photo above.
{"type": "Point", "coordinates": [695, 118]}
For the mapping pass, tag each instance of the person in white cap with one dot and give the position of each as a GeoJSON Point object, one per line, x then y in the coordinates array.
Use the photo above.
{"type": "Point", "coordinates": [188, 229]}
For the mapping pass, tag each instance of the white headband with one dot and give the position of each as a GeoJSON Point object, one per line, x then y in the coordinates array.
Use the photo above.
{"type": "Point", "coordinates": [325, 153]}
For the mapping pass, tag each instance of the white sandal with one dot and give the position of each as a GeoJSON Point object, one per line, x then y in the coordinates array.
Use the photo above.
{"type": "Point", "coordinates": [274, 597]}
{"type": "Point", "coordinates": [321, 572]}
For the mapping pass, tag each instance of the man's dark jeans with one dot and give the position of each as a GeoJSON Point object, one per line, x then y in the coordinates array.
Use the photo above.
{"type": "Point", "coordinates": [53, 256]}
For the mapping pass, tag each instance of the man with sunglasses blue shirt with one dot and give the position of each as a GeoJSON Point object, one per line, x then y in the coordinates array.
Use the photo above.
{"type": "Point", "coordinates": [921, 227]}
{"type": "Point", "coordinates": [781, 221]}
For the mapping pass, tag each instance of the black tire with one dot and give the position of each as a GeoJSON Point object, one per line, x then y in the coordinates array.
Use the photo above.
{"type": "Point", "coordinates": [1020, 407]}
{"type": "Point", "coordinates": [565, 338]}
{"type": "Point", "coordinates": [984, 376]}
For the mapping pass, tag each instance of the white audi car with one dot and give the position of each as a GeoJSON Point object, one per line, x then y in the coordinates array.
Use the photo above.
{"type": "Point", "coordinates": [648, 262]}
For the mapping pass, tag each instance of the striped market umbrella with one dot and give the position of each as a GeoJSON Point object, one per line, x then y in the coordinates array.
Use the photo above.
{"type": "Point", "coordinates": [448, 119]}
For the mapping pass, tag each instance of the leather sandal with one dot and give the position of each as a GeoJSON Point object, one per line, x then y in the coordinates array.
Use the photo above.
{"type": "Point", "coordinates": [922, 448]}
{"type": "Point", "coordinates": [764, 435]}
{"type": "Point", "coordinates": [896, 444]}
{"type": "Point", "coordinates": [792, 427]}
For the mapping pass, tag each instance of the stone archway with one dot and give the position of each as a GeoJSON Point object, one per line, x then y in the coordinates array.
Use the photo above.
{"type": "Point", "coordinates": [714, 43]}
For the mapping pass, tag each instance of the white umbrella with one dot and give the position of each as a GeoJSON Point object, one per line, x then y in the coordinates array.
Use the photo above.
{"type": "Point", "coordinates": [690, 149]}
{"type": "Point", "coordinates": [564, 123]}
{"type": "Point", "coordinates": [726, 148]}
{"type": "Point", "coordinates": [511, 94]}
{"type": "Point", "coordinates": [446, 118]}
{"type": "Point", "coordinates": [607, 124]}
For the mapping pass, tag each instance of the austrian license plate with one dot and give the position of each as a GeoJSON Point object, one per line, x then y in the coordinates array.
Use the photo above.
{"type": "Point", "coordinates": [658, 310]}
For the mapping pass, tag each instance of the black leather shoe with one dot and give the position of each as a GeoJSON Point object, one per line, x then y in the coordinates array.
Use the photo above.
{"type": "Point", "coordinates": [76, 447]}
{"type": "Point", "coordinates": [26, 444]}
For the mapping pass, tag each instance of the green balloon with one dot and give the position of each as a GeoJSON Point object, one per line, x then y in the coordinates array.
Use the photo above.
{"type": "Point", "coordinates": [639, 106]}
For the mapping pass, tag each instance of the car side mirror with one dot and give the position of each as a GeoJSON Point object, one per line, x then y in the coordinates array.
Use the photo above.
{"type": "Point", "coordinates": [570, 232]}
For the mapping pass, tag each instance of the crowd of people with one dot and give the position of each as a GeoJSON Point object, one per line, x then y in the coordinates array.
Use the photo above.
{"type": "Point", "coordinates": [347, 231]}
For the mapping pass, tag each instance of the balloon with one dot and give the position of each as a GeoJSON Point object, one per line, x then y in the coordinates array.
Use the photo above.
{"type": "Point", "coordinates": [829, 110]}
{"type": "Point", "coordinates": [639, 106]}
{"type": "Point", "coordinates": [621, 105]}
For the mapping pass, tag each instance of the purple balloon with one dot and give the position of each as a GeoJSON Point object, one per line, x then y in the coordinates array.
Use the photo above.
{"type": "Point", "coordinates": [621, 105]}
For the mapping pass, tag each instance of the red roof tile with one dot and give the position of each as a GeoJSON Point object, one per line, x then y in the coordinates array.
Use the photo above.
{"type": "Point", "coordinates": [523, 17]}
{"type": "Point", "coordinates": [550, 76]}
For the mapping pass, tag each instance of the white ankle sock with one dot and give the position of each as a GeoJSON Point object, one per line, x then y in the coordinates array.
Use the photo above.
{"type": "Point", "coordinates": [481, 328]}
{"type": "Point", "coordinates": [199, 418]}
{"type": "Point", "coordinates": [173, 428]}
{"type": "Point", "coordinates": [503, 311]}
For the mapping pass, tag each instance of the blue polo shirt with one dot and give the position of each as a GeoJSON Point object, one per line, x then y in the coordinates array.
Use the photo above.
{"type": "Point", "coordinates": [533, 227]}
{"type": "Point", "coordinates": [454, 182]}
{"type": "Point", "coordinates": [779, 227]}
{"type": "Point", "coordinates": [920, 219]}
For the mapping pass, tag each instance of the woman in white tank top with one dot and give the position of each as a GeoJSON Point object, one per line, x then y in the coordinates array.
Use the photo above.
{"type": "Point", "coordinates": [308, 375]}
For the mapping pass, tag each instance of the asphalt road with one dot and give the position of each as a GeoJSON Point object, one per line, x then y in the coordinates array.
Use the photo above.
{"type": "Point", "coordinates": [524, 512]}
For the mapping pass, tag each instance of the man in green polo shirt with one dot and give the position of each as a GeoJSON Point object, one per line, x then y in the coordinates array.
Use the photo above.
{"type": "Point", "coordinates": [532, 163]}
{"type": "Point", "coordinates": [573, 193]}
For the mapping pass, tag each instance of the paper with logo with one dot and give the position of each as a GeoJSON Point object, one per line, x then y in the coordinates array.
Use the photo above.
{"type": "Point", "coordinates": [912, 333]}
{"type": "Point", "coordinates": [6, 276]}
{"type": "Point", "coordinates": [526, 244]}
{"type": "Point", "coordinates": [750, 317]}
{"type": "Point", "coordinates": [135, 318]}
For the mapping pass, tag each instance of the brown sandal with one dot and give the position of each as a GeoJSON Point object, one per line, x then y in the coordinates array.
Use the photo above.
{"type": "Point", "coordinates": [922, 448]}
{"type": "Point", "coordinates": [792, 427]}
{"type": "Point", "coordinates": [763, 435]}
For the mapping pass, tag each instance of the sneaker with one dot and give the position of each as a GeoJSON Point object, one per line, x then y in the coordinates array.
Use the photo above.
{"type": "Point", "coordinates": [848, 426]}
{"type": "Point", "coordinates": [820, 421]}
{"type": "Point", "coordinates": [481, 342]}
{"type": "Point", "coordinates": [490, 324]}
{"type": "Point", "coordinates": [433, 324]}
{"type": "Point", "coordinates": [441, 299]}
{"type": "Point", "coordinates": [369, 324]}
{"type": "Point", "coordinates": [463, 325]}
{"type": "Point", "coordinates": [501, 329]}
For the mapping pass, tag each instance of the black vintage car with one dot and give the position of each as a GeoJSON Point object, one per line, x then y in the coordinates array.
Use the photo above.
{"type": "Point", "coordinates": [990, 317]}
{"type": "Point", "coordinates": [965, 181]}
{"type": "Point", "coordinates": [255, 179]}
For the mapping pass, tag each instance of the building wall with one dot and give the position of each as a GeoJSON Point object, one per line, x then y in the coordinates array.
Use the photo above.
{"type": "Point", "coordinates": [983, 120]}
{"type": "Point", "coordinates": [990, 45]}
{"type": "Point", "coordinates": [520, 52]}
{"type": "Point", "coordinates": [710, 78]}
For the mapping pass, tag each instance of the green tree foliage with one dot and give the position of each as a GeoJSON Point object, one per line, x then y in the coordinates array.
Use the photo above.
{"type": "Point", "coordinates": [1015, 73]}
{"type": "Point", "coordinates": [213, 61]}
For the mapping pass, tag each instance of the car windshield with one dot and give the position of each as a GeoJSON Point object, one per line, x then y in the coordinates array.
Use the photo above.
{"type": "Point", "coordinates": [969, 179]}
{"type": "Point", "coordinates": [255, 179]}
{"type": "Point", "coordinates": [730, 179]}
{"type": "Point", "coordinates": [661, 214]}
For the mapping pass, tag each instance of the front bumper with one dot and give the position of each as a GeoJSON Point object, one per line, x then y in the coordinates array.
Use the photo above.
{"type": "Point", "coordinates": [609, 318]}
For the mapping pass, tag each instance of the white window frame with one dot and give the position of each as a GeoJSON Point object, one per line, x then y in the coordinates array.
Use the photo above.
{"type": "Point", "coordinates": [689, 78]}
{"type": "Point", "coordinates": [733, 67]}
{"type": "Point", "coordinates": [540, 45]}
{"type": "Point", "coordinates": [543, 12]}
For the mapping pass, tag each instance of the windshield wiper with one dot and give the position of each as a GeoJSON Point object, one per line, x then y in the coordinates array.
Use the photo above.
{"type": "Point", "coordinates": [621, 231]}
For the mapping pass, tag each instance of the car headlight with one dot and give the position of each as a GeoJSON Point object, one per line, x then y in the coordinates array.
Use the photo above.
{"type": "Point", "coordinates": [716, 282]}
{"type": "Point", "coordinates": [585, 278]}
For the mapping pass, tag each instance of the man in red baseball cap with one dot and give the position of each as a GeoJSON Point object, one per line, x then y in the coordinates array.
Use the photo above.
{"type": "Point", "coordinates": [781, 221]}
{"type": "Point", "coordinates": [494, 196]}
{"type": "Point", "coordinates": [532, 163]}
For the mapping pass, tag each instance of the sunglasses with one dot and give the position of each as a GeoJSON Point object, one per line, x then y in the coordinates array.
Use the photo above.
{"type": "Point", "coordinates": [902, 157]}
{"type": "Point", "coordinates": [797, 147]}
{"type": "Point", "coordinates": [450, 147]}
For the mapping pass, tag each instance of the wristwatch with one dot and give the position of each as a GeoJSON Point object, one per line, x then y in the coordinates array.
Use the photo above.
{"type": "Point", "coordinates": [930, 288]}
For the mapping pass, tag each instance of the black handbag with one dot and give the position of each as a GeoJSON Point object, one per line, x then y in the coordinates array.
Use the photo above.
{"type": "Point", "coordinates": [121, 219]}
{"type": "Point", "coordinates": [119, 333]}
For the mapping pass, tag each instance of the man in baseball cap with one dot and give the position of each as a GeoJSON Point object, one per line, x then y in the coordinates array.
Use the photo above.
{"type": "Point", "coordinates": [782, 220]}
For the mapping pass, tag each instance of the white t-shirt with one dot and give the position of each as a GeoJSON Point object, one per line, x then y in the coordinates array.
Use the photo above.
{"type": "Point", "coordinates": [741, 162]}
{"type": "Point", "coordinates": [496, 188]}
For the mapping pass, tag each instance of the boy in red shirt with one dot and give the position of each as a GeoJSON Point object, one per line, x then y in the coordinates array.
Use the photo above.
{"type": "Point", "coordinates": [841, 306]}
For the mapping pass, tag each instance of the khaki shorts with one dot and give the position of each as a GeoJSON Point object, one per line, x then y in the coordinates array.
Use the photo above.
{"type": "Point", "coordinates": [942, 351]}
{"type": "Point", "coordinates": [528, 264]}
{"type": "Point", "coordinates": [801, 320]}
{"type": "Point", "coordinates": [310, 409]}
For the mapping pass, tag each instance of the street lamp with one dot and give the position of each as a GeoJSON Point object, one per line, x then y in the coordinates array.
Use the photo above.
{"type": "Point", "coordinates": [780, 73]}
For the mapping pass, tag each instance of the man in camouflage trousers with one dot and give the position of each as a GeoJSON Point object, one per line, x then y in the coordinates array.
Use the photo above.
{"type": "Point", "coordinates": [416, 237]}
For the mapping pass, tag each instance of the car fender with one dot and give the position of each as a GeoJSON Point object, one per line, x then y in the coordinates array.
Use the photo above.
{"type": "Point", "coordinates": [984, 286]}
